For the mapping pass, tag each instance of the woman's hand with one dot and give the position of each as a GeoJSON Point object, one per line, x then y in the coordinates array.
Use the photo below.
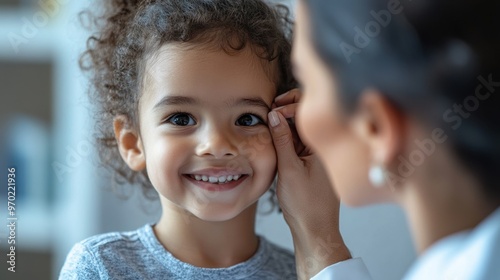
{"type": "Point", "coordinates": [306, 197]}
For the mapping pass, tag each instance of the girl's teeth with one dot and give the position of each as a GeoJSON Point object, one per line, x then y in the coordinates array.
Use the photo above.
{"type": "Point", "coordinates": [214, 179]}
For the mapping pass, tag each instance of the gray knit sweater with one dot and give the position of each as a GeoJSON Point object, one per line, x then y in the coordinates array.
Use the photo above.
{"type": "Point", "coordinates": [139, 255]}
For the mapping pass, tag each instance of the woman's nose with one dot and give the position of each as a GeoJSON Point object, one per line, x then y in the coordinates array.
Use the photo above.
{"type": "Point", "coordinates": [217, 142]}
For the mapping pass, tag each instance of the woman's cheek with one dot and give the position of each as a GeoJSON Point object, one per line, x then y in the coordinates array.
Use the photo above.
{"type": "Point", "coordinates": [306, 118]}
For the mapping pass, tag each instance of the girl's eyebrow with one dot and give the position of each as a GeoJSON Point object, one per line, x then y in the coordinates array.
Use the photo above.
{"type": "Point", "coordinates": [175, 100]}
{"type": "Point", "coordinates": [184, 100]}
{"type": "Point", "coordinates": [253, 101]}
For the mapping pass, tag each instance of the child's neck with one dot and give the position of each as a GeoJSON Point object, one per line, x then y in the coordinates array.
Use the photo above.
{"type": "Point", "coordinates": [207, 244]}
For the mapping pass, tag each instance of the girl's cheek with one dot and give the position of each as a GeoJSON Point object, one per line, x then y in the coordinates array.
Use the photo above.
{"type": "Point", "coordinates": [256, 144]}
{"type": "Point", "coordinates": [264, 141]}
{"type": "Point", "coordinates": [259, 149]}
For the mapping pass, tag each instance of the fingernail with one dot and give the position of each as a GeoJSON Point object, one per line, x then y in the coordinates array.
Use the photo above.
{"type": "Point", "coordinates": [274, 120]}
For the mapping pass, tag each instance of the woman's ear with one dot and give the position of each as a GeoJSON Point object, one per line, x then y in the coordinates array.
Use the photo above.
{"type": "Point", "coordinates": [381, 125]}
{"type": "Point", "coordinates": [129, 143]}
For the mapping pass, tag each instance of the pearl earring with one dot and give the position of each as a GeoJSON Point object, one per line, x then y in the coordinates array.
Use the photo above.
{"type": "Point", "coordinates": [376, 175]}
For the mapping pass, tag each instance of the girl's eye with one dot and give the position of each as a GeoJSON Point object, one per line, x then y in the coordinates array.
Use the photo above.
{"type": "Point", "coordinates": [249, 120]}
{"type": "Point", "coordinates": [181, 119]}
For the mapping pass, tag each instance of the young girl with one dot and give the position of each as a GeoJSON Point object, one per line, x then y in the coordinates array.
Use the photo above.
{"type": "Point", "coordinates": [184, 88]}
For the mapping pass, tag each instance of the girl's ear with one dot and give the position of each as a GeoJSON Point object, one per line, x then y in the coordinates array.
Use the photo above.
{"type": "Point", "coordinates": [129, 143]}
{"type": "Point", "coordinates": [381, 125]}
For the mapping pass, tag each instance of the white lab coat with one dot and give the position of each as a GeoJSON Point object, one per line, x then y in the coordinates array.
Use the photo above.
{"type": "Point", "coordinates": [469, 255]}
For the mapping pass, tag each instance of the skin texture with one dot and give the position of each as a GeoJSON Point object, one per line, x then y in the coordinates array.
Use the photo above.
{"type": "Point", "coordinates": [440, 197]}
{"type": "Point", "coordinates": [218, 130]}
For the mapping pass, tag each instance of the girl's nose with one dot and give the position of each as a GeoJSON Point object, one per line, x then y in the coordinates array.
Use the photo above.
{"type": "Point", "coordinates": [217, 143]}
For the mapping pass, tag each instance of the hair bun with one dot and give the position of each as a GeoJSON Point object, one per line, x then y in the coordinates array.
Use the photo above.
{"type": "Point", "coordinates": [454, 66]}
{"type": "Point", "coordinates": [435, 20]}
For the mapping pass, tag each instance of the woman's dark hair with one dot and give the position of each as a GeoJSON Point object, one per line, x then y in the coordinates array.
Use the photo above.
{"type": "Point", "coordinates": [130, 31]}
{"type": "Point", "coordinates": [438, 60]}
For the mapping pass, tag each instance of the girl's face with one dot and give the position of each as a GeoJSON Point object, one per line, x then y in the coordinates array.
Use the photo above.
{"type": "Point", "coordinates": [203, 127]}
{"type": "Point", "coordinates": [323, 126]}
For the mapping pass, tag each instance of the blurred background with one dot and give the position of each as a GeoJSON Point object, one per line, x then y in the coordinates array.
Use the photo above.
{"type": "Point", "coordinates": [63, 196]}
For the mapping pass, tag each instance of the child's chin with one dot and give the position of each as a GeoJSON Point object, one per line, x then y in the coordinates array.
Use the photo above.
{"type": "Point", "coordinates": [218, 215]}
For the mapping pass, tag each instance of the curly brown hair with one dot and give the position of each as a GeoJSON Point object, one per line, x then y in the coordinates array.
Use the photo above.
{"type": "Point", "coordinates": [132, 30]}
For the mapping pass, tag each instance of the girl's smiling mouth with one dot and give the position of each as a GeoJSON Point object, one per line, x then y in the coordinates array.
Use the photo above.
{"type": "Point", "coordinates": [216, 179]}
{"type": "Point", "coordinates": [210, 182]}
